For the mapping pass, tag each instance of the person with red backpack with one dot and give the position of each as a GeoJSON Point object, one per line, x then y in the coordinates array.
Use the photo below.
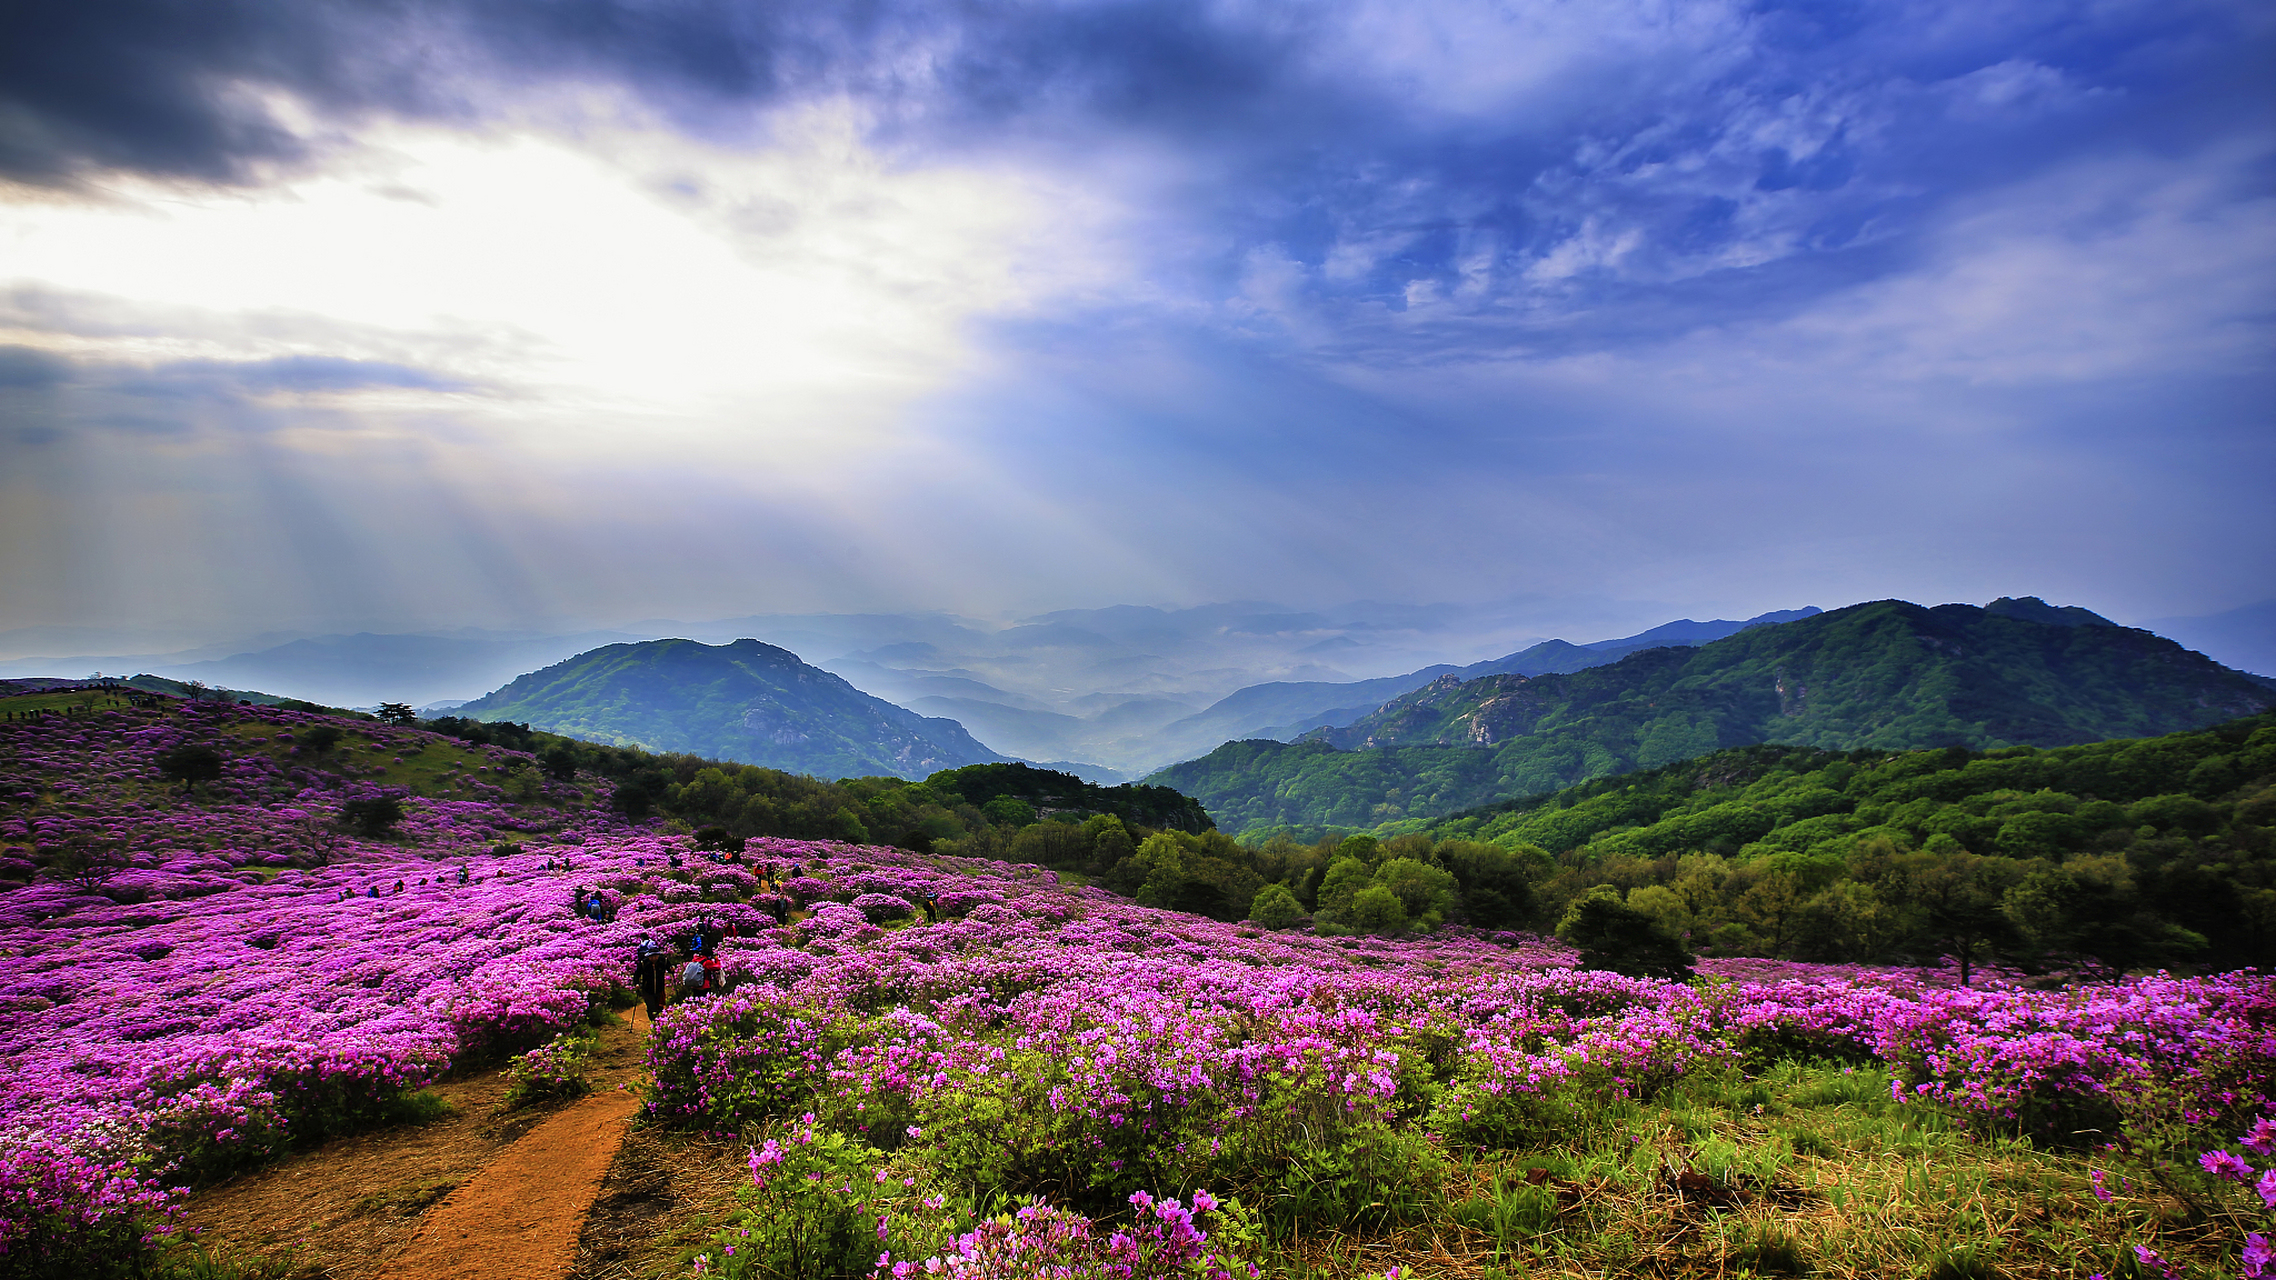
{"type": "Point", "coordinates": [694, 980]}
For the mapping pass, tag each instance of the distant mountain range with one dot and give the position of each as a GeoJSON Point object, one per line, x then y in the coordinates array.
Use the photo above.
{"type": "Point", "coordinates": [1107, 693]}
{"type": "Point", "coordinates": [745, 701]}
{"type": "Point", "coordinates": [1887, 675]}
{"type": "Point", "coordinates": [1285, 709]}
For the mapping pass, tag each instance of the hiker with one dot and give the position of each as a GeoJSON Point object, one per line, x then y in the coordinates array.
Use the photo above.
{"type": "Point", "coordinates": [462, 873]}
{"type": "Point", "coordinates": [373, 890]}
{"type": "Point", "coordinates": [693, 978]}
{"type": "Point", "coordinates": [399, 886]}
{"type": "Point", "coordinates": [932, 908]}
{"type": "Point", "coordinates": [714, 979]}
{"type": "Point", "coordinates": [675, 862]}
{"type": "Point", "coordinates": [651, 970]}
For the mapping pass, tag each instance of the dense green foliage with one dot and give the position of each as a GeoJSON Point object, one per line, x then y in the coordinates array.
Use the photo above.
{"type": "Point", "coordinates": [746, 701]}
{"type": "Point", "coordinates": [2112, 855]}
{"type": "Point", "coordinates": [1010, 811]}
{"type": "Point", "coordinates": [1048, 791]}
{"type": "Point", "coordinates": [1610, 934]}
{"type": "Point", "coordinates": [1887, 675]}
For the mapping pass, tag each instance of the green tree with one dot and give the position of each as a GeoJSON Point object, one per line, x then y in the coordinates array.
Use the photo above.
{"type": "Point", "coordinates": [559, 763]}
{"type": "Point", "coordinates": [1496, 882]}
{"type": "Point", "coordinates": [1331, 909]}
{"type": "Point", "coordinates": [397, 713]}
{"type": "Point", "coordinates": [1010, 811]}
{"type": "Point", "coordinates": [2087, 912]}
{"type": "Point", "coordinates": [1275, 907]}
{"type": "Point", "coordinates": [1377, 910]}
{"type": "Point", "coordinates": [1425, 892]}
{"type": "Point", "coordinates": [1610, 934]}
{"type": "Point", "coordinates": [372, 816]}
{"type": "Point", "coordinates": [191, 763]}
{"type": "Point", "coordinates": [1960, 899]}
{"type": "Point", "coordinates": [321, 739]}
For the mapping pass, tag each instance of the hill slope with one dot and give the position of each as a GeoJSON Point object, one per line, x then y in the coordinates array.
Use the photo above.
{"type": "Point", "coordinates": [1887, 675]}
{"type": "Point", "coordinates": [748, 702]}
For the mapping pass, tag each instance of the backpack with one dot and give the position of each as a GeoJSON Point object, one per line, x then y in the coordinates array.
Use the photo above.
{"type": "Point", "coordinates": [691, 978]}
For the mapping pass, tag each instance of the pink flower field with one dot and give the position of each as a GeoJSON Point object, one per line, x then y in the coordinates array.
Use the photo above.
{"type": "Point", "coordinates": [221, 1000]}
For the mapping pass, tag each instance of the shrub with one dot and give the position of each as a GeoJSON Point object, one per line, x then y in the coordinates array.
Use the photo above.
{"type": "Point", "coordinates": [1610, 934]}
{"type": "Point", "coordinates": [1275, 907]}
{"type": "Point", "coordinates": [556, 1069]}
{"type": "Point", "coordinates": [877, 908]}
{"type": "Point", "coordinates": [372, 815]}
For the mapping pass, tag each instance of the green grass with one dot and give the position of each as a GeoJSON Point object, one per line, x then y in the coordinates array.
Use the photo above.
{"type": "Point", "coordinates": [1808, 1169]}
{"type": "Point", "coordinates": [60, 703]}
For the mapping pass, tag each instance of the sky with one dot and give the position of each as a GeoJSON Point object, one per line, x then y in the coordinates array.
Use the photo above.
{"type": "Point", "coordinates": [436, 313]}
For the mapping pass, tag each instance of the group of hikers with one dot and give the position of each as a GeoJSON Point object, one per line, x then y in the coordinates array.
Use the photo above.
{"type": "Point", "coordinates": [373, 891]}
{"type": "Point", "coordinates": [664, 972]}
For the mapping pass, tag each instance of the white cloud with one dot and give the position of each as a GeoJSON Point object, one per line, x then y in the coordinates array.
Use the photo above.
{"type": "Point", "coordinates": [621, 276]}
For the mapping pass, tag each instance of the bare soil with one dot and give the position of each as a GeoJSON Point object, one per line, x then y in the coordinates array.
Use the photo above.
{"type": "Point", "coordinates": [358, 1208]}
{"type": "Point", "coordinates": [519, 1217]}
{"type": "Point", "coordinates": [663, 1195]}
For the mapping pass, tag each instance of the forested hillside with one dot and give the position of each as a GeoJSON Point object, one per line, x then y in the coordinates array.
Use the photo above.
{"type": "Point", "coordinates": [2114, 855]}
{"type": "Point", "coordinates": [1887, 675]}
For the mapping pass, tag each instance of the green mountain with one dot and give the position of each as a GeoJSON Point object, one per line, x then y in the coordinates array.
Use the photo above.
{"type": "Point", "coordinates": [748, 702]}
{"type": "Point", "coordinates": [1887, 675]}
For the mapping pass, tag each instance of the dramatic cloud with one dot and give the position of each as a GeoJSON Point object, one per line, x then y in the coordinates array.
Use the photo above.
{"type": "Point", "coordinates": [518, 313]}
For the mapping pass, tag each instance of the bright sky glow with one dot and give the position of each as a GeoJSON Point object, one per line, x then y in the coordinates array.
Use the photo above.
{"type": "Point", "coordinates": [630, 276]}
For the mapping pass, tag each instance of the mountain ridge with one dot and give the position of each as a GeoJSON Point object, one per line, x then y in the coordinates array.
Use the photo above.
{"type": "Point", "coordinates": [746, 701]}
{"type": "Point", "coordinates": [1884, 674]}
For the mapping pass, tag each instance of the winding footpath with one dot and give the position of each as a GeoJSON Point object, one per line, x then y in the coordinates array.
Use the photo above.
{"type": "Point", "coordinates": [518, 1219]}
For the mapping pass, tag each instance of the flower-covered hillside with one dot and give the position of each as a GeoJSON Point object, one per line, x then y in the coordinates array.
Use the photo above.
{"type": "Point", "coordinates": [934, 1039]}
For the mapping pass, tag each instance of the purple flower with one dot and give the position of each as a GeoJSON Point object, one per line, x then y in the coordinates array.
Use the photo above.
{"type": "Point", "coordinates": [2149, 1258]}
{"type": "Point", "coordinates": [2262, 1139]}
{"type": "Point", "coordinates": [2258, 1256]}
{"type": "Point", "coordinates": [2223, 1165]}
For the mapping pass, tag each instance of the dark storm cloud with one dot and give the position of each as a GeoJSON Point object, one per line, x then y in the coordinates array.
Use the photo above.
{"type": "Point", "coordinates": [169, 86]}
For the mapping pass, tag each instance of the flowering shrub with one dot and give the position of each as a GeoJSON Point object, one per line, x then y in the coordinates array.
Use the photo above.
{"type": "Point", "coordinates": [822, 1205]}
{"type": "Point", "coordinates": [1164, 1240]}
{"type": "Point", "coordinates": [2107, 1063]}
{"type": "Point", "coordinates": [877, 908]}
{"type": "Point", "coordinates": [555, 1069]}
{"type": "Point", "coordinates": [62, 1213]}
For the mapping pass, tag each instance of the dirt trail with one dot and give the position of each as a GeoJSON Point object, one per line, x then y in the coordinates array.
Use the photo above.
{"type": "Point", "coordinates": [519, 1218]}
{"type": "Point", "coordinates": [520, 1185]}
